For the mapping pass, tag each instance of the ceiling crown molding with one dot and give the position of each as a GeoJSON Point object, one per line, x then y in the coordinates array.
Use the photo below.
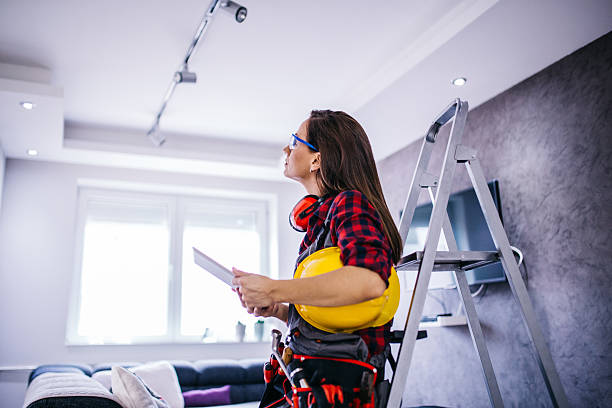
{"type": "Point", "coordinates": [445, 28]}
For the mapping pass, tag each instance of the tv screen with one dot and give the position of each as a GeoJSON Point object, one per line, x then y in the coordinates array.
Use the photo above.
{"type": "Point", "coordinates": [471, 233]}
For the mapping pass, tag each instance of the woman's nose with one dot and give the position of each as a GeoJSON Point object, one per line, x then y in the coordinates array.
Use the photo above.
{"type": "Point", "coordinates": [286, 150]}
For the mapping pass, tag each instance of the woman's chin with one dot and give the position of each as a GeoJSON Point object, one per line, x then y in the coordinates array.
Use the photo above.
{"type": "Point", "coordinates": [289, 175]}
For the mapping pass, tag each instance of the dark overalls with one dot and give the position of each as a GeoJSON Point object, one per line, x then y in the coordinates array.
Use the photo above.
{"type": "Point", "coordinates": [329, 369]}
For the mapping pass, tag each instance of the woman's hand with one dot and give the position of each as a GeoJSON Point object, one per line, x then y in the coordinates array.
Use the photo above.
{"type": "Point", "coordinates": [255, 291]}
{"type": "Point", "coordinates": [278, 310]}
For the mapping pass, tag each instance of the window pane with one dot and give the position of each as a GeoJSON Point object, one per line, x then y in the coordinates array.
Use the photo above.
{"type": "Point", "coordinates": [124, 278]}
{"type": "Point", "coordinates": [209, 307]}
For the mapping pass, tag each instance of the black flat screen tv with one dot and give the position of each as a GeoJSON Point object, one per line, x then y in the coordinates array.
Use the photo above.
{"type": "Point", "coordinates": [470, 229]}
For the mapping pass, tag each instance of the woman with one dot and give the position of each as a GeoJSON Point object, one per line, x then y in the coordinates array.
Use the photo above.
{"type": "Point", "coordinates": [330, 155]}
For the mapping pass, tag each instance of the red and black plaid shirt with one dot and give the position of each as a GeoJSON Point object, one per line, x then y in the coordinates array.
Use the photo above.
{"type": "Point", "coordinates": [356, 228]}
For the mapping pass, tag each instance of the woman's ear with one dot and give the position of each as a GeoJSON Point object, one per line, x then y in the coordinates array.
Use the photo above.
{"type": "Point", "coordinates": [315, 164]}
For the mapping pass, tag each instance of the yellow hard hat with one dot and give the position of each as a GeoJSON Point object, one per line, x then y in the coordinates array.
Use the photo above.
{"type": "Point", "coordinates": [338, 319]}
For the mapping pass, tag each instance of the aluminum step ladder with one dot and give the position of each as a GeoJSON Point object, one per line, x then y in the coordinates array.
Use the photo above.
{"type": "Point", "coordinates": [431, 260]}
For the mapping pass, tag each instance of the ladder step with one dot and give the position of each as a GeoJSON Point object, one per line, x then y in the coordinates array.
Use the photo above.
{"type": "Point", "coordinates": [449, 260]}
{"type": "Point", "coordinates": [397, 336]}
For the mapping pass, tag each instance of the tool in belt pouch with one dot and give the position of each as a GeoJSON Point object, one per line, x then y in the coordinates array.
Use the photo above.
{"type": "Point", "coordinates": [321, 382]}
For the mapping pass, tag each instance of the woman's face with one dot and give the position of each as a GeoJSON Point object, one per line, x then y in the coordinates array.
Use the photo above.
{"type": "Point", "coordinates": [301, 160]}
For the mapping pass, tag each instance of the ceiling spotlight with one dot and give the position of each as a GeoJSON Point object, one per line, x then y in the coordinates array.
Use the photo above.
{"type": "Point", "coordinates": [459, 81]}
{"type": "Point", "coordinates": [239, 12]}
{"type": "Point", "coordinates": [27, 105]}
{"type": "Point", "coordinates": [185, 76]}
{"type": "Point", "coordinates": [32, 152]}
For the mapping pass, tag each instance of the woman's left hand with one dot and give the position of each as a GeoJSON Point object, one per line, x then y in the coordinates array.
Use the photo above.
{"type": "Point", "coordinates": [255, 290]}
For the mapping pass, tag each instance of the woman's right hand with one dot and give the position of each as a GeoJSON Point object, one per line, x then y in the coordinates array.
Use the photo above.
{"type": "Point", "coordinates": [278, 310]}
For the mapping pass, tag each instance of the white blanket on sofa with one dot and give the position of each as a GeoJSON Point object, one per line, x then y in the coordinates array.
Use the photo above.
{"type": "Point", "coordinates": [65, 385]}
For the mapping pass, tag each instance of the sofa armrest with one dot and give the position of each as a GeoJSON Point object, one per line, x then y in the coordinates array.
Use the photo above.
{"type": "Point", "coordinates": [65, 389]}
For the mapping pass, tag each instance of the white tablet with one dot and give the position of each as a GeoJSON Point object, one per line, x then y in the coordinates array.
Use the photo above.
{"type": "Point", "coordinates": [213, 267]}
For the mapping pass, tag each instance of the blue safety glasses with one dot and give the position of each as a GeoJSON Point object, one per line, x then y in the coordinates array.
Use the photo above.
{"type": "Point", "coordinates": [293, 143]}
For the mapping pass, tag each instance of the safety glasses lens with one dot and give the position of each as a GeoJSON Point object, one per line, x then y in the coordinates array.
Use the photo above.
{"type": "Point", "coordinates": [292, 142]}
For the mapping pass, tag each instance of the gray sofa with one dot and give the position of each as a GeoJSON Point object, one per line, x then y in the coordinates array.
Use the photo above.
{"type": "Point", "coordinates": [237, 382]}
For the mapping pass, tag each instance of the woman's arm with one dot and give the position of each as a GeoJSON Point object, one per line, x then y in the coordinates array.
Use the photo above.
{"type": "Point", "coordinates": [344, 286]}
{"type": "Point", "coordinates": [358, 233]}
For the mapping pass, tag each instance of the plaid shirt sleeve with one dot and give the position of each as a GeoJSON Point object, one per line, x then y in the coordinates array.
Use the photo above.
{"type": "Point", "coordinates": [358, 232]}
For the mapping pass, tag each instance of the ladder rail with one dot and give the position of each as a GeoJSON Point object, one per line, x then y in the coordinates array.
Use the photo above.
{"type": "Point", "coordinates": [422, 164]}
{"type": "Point", "coordinates": [471, 315]}
{"type": "Point", "coordinates": [413, 195]}
{"type": "Point", "coordinates": [544, 358]}
{"type": "Point", "coordinates": [419, 293]}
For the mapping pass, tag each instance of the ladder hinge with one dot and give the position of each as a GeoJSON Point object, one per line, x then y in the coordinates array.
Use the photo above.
{"type": "Point", "coordinates": [428, 180]}
{"type": "Point", "coordinates": [464, 153]}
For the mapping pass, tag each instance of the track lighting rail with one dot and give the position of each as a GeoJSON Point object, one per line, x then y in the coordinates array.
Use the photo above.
{"type": "Point", "coordinates": [183, 75]}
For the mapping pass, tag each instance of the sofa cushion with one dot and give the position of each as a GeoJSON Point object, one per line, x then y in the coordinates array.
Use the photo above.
{"type": "Point", "coordinates": [220, 372]}
{"type": "Point", "coordinates": [51, 385]}
{"type": "Point", "coordinates": [187, 374]}
{"type": "Point", "coordinates": [74, 402]}
{"type": "Point", "coordinates": [104, 378]}
{"type": "Point", "coordinates": [107, 366]}
{"type": "Point", "coordinates": [60, 368]}
{"type": "Point", "coordinates": [254, 370]}
{"type": "Point", "coordinates": [228, 394]}
{"type": "Point", "coordinates": [204, 374]}
{"type": "Point", "coordinates": [102, 372]}
{"type": "Point", "coordinates": [161, 377]}
{"type": "Point", "coordinates": [132, 391]}
{"type": "Point", "coordinates": [207, 398]}
{"type": "Point", "coordinates": [252, 404]}
{"type": "Point", "coordinates": [240, 393]}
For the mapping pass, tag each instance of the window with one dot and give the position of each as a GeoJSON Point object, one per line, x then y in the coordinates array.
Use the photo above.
{"type": "Point", "coordinates": [135, 279]}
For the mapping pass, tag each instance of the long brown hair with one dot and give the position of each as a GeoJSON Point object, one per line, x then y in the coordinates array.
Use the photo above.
{"type": "Point", "coordinates": [347, 163]}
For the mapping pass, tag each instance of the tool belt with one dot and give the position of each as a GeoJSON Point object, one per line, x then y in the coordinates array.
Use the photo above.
{"type": "Point", "coordinates": [320, 382]}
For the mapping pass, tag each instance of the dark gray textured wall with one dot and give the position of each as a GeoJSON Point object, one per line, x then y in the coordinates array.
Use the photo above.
{"type": "Point", "coordinates": [549, 142]}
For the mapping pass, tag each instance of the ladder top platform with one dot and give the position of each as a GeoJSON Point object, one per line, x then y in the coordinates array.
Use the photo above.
{"type": "Point", "coordinates": [449, 260]}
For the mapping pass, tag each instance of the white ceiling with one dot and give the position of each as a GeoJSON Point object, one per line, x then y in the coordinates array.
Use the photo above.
{"type": "Point", "coordinates": [106, 66]}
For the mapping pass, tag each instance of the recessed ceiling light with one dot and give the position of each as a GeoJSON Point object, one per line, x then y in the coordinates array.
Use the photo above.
{"type": "Point", "coordinates": [459, 81]}
{"type": "Point", "coordinates": [32, 152]}
{"type": "Point", "coordinates": [27, 105]}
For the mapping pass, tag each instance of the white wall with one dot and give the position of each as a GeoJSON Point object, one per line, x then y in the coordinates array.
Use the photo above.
{"type": "Point", "coordinates": [37, 240]}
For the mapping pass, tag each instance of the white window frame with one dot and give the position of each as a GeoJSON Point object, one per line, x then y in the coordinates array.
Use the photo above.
{"type": "Point", "coordinates": [178, 201]}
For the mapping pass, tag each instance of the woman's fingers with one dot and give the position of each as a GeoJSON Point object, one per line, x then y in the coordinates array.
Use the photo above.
{"type": "Point", "coordinates": [254, 289]}
{"type": "Point", "coordinates": [260, 311]}
{"type": "Point", "coordinates": [237, 275]}
{"type": "Point", "coordinates": [239, 293]}
{"type": "Point", "coordinates": [267, 311]}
